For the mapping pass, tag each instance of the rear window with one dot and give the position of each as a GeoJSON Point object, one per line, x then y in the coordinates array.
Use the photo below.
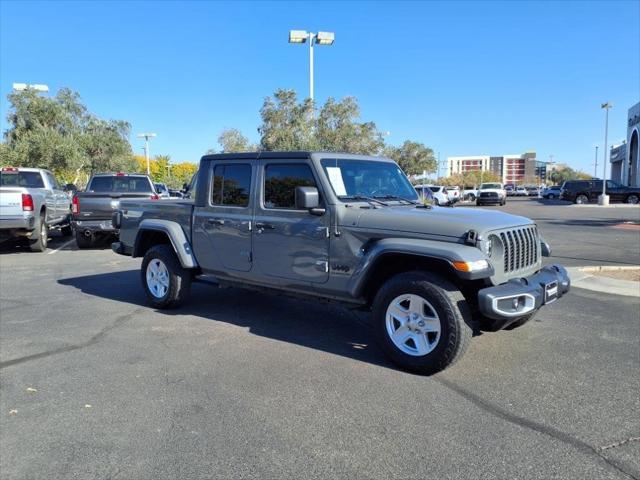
{"type": "Point", "coordinates": [22, 179]}
{"type": "Point", "coordinates": [434, 189]}
{"type": "Point", "coordinates": [126, 183]}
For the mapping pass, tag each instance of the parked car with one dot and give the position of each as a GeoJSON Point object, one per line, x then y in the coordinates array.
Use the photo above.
{"type": "Point", "coordinates": [469, 194]}
{"type": "Point", "coordinates": [491, 193]}
{"type": "Point", "coordinates": [453, 193]}
{"type": "Point", "coordinates": [348, 228]}
{"type": "Point", "coordinates": [510, 190]}
{"type": "Point", "coordinates": [440, 196]}
{"type": "Point", "coordinates": [93, 208]}
{"type": "Point", "coordinates": [552, 192]}
{"type": "Point", "coordinates": [32, 202]}
{"type": "Point", "coordinates": [162, 190]}
{"type": "Point", "coordinates": [585, 191]}
{"type": "Point", "coordinates": [175, 193]}
{"type": "Point", "coordinates": [521, 192]}
{"type": "Point", "coordinates": [532, 191]}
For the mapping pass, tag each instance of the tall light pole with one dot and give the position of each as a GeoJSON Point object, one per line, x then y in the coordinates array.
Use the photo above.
{"type": "Point", "coordinates": [604, 198]}
{"type": "Point", "coordinates": [146, 137]}
{"type": "Point", "coordinates": [38, 87]}
{"type": "Point", "coordinates": [595, 168]}
{"type": "Point", "coordinates": [320, 38]}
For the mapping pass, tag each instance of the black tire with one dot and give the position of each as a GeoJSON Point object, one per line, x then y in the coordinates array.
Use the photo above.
{"type": "Point", "coordinates": [551, 196]}
{"type": "Point", "coordinates": [436, 202]}
{"type": "Point", "coordinates": [521, 321]}
{"type": "Point", "coordinates": [503, 202]}
{"type": "Point", "coordinates": [83, 241]}
{"type": "Point", "coordinates": [472, 197]}
{"type": "Point", "coordinates": [633, 199]}
{"type": "Point", "coordinates": [581, 199]}
{"type": "Point", "coordinates": [41, 232]}
{"type": "Point", "coordinates": [478, 204]}
{"type": "Point", "coordinates": [449, 304]}
{"type": "Point", "coordinates": [178, 277]}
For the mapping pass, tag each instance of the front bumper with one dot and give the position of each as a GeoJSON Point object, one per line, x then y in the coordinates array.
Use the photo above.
{"type": "Point", "coordinates": [94, 226]}
{"type": "Point", "coordinates": [519, 297]}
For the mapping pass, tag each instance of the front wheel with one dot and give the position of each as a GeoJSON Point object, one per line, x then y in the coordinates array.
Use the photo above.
{"type": "Point", "coordinates": [165, 282]}
{"type": "Point", "coordinates": [551, 196]}
{"type": "Point", "coordinates": [633, 199]}
{"type": "Point", "coordinates": [422, 322]}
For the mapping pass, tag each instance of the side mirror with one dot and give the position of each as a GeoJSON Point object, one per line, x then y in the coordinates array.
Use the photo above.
{"type": "Point", "coordinates": [308, 198]}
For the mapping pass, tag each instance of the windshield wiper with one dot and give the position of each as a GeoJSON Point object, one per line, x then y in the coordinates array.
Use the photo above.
{"type": "Point", "coordinates": [397, 197]}
{"type": "Point", "coordinates": [371, 200]}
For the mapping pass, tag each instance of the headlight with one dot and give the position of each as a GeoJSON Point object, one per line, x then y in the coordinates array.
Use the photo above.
{"type": "Point", "coordinates": [490, 245]}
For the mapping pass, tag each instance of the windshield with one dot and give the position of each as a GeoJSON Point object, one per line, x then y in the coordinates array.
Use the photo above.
{"type": "Point", "coordinates": [22, 179]}
{"type": "Point", "coordinates": [366, 178]}
{"type": "Point", "coordinates": [490, 186]}
{"type": "Point", "coordinates": [124, 183]}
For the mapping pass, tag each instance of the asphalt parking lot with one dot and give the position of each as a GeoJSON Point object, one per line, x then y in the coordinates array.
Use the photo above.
{"type": "Point", "coordinates": [240, 384]}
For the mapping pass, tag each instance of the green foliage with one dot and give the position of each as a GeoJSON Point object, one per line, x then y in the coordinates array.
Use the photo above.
{"type": "Point", "coordinates": [563, 173]}
{"type": "Point", "coordinates": [59, 133]}
{"type": "Point", "coordinates": [286, 124]}
{"type": "Point", "coordinates": [471, 179]}
{"type": "Point", "coordinates": [232, 140]}
{"type": "Point", "coordinates": [413, 157]}
{"type": "Point", "coordinates": [174, 177]}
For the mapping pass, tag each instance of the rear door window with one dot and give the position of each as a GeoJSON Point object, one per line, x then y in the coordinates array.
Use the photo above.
{"type": "Point", "coordinates": [231, 185]}
{"type": "Point", "coordinates": [22, 179]}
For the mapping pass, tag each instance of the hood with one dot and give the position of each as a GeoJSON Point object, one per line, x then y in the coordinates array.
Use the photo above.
{"type": "Point", "coordinates": [440, 221]}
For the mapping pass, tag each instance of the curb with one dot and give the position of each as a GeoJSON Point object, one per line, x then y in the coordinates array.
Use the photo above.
{"type": "Point", "coordinates": [581, 277]}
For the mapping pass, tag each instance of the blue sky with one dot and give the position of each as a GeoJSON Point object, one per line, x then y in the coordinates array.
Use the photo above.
{"type": "Point", "coordinates": [464, 78]}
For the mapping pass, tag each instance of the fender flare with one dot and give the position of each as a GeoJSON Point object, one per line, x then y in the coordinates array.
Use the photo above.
{"type": "Point", "coordinates": [432, 249]}
{"type": "Point", "coordinates": [176, 236]}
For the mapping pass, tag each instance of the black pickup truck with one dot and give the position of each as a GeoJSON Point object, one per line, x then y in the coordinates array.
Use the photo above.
{"type": "Point", "coordinates": [585, 191]}
{"type": "Point", "coordinates": [93, 208]}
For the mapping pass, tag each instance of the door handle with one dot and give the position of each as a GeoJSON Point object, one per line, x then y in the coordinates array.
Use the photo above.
{"type": "Point", "coordinates": [265, 226]}
{"type": "Point", "coordinates": [215, 221]}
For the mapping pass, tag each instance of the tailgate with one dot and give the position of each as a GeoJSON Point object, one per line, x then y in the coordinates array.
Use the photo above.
{"type": "Point", "coordinates": [100, 206]}
{"type": "Point", "coordinates": [11, 202]}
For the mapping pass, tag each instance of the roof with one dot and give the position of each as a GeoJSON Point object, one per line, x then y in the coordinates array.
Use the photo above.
{"type": "Point", "coordinates": [304, 154]}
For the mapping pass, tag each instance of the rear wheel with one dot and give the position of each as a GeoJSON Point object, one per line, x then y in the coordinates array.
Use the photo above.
{"type": "Point", "coordinates": [633, 199]}
{"type": "Point", "coordinates": [422, 322]}
{"type": "Point", "coordinates": [551, 196]}
{"type": "Point", "coordinates": [165, 282]}
{"type": "Point", "coordinates": [582, 199]}
{"type": "Point", "coordinates": [38, 243]}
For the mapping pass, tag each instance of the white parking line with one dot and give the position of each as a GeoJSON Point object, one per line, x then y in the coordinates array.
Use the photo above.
{"type": "Point", "coordinates": [69, 242]}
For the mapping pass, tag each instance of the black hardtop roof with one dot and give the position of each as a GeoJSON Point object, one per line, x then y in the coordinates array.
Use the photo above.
{"type": "Point", "coordinates": [256, 155]}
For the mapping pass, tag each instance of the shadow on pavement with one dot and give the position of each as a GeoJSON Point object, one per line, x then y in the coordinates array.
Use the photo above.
{"type": "Point", "coordinates": [311, 324]}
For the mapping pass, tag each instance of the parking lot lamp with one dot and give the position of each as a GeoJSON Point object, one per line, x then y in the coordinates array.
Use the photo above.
{"type": "Point", "coordinates": [320, 38]}
{"type": "Point", "coordinates": [595, 168]}
{"type": "Point", "coordinates": [604, 198]}
{"type": "Point", "coordinates": [146, 137]}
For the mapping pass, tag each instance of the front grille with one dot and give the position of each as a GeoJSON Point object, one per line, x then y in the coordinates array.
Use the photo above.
{"type": "Point", "coordinates": [520, 247]}
{"type": "Point", "coordinates": [489, 194]}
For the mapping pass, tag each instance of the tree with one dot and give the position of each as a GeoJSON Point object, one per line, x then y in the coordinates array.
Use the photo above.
{"type": "Point", "coordinates": [161, 170]}
{"type": "Point", "coordinates": [59, 133]}
{"type": "Point", "coordinates": [286, 124]}
{"type": "Point", "coordinates": [232, 140]}
{"type": "Point", "coordinates": [413, 157]}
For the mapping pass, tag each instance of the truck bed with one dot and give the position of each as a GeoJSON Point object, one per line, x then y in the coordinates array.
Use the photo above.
{"type": "Point", "coordinates": [135, 211]}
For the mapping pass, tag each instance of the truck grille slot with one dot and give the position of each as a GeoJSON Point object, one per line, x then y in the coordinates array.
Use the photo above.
{"type": "Point", "coordinates": [520, 248]}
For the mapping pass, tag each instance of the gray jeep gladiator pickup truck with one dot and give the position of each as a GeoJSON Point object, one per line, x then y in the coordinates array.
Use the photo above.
{"type": "Point", "coordinates": [347, 228]}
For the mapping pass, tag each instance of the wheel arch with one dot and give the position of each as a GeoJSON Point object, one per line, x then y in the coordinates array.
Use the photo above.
{"type": "Point", "coordinates": [158, 232]}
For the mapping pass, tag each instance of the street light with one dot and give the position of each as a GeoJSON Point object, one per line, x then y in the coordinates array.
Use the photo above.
{"type": "Point", "coordinates": [146, 137]}
{"type": "Point", "coordinates": [38, 87]}
{"type": "Point", "coordinates": [595, 168]}
{"type": "Point", "coordinates": [320, 38]}
{"type": "Point", "coordinates": [604, 198]}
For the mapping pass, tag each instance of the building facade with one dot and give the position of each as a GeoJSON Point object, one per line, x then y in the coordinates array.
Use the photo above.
{"type": "Point", "coordinates": [624, 158]}
{"type": "Point", "coordinates": [513, 169]}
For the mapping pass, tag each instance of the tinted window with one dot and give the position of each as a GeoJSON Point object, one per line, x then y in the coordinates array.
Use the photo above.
{"type": "Point", "coordinates": [434, 189]}
{"type": "Point", "coordinates": [231, 185]}
{"type": "Point", "coordinates": [281, 181]}
{"type": "Point", "coordinates": [125, 183]}
{"type": "Point", "coordinates": [22, 179]}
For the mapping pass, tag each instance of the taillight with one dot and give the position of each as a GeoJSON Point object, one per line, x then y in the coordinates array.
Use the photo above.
{"type": "Point", "coordinates": [27, 202]}
{"type": "Point", "coordinates": [75, 205]}
{"type": "Point", "coordinates": [444, 191]}
{"type": "Point", "coordinates": [154, 197]}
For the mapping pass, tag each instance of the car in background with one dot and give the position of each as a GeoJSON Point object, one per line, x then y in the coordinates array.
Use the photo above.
{"type": "Point", "coordinates": [162, 190]}
{"type": "Point", "coordinates": [520, 191]}
{"type": "Point", "coordinates": [32, 202]}
{"type": "Point", "coordinates": [532, 191]}
{"type": "Point", "coordinates": [434, 193]}
{"type": "Point", "coordinates": [510, 190]}
{"type": "Point", "coordinates": [491, 193]}
{"type": "Point", "coordinates": [585, 191]}
{"type": "Point", "coordinates": [551, 192]}
{"type": "Point", "coordinates": [175, 193]}
{"type": "Point", "coordinates": [453, 193]}
{"type": "Point", "coordinates": [92, 209]}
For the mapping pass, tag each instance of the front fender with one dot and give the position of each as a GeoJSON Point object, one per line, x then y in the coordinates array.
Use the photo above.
{"type": "Point", "coordinates": [176, 236]}
{"type": "Point", "coordinates": [432, 249]}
